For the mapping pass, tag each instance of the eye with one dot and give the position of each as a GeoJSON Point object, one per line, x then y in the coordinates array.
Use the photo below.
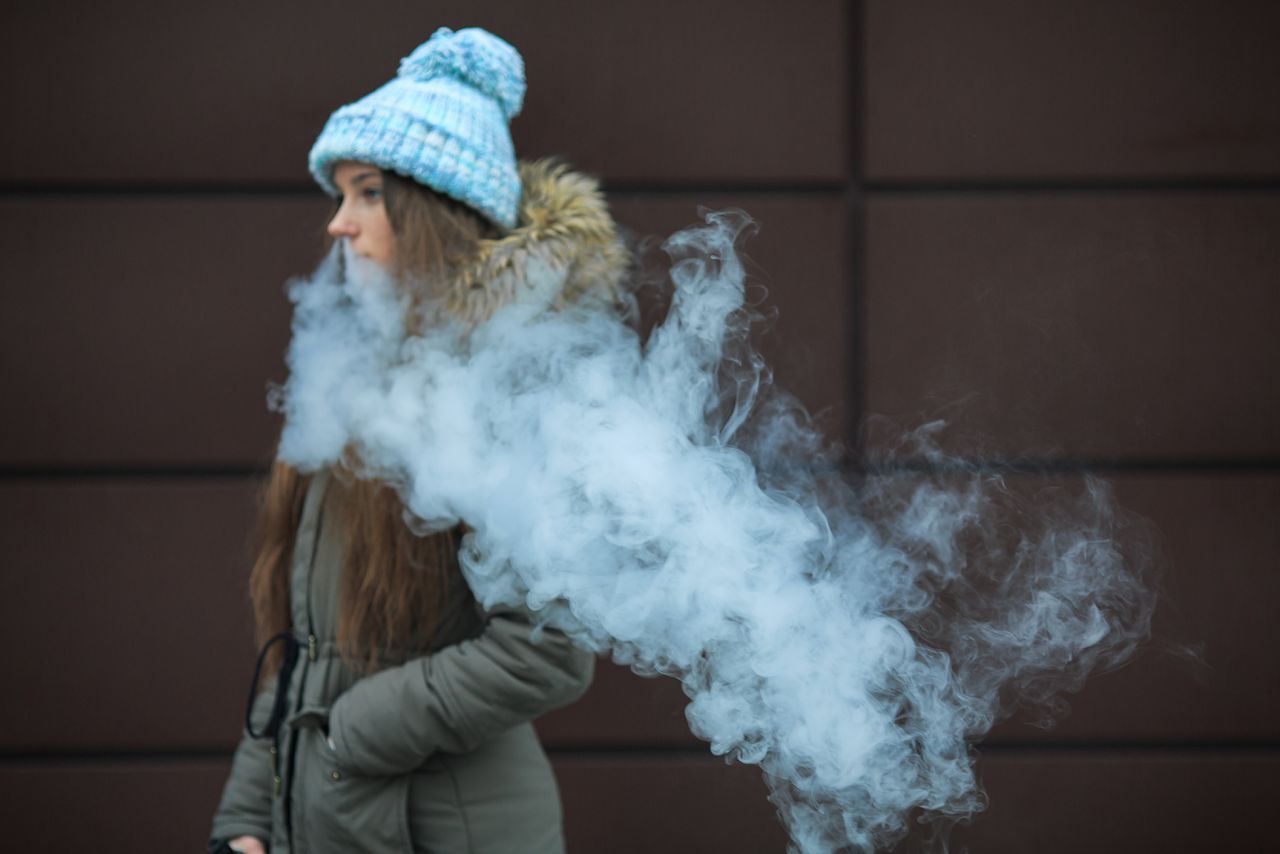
{"type": "Point", "coordinates": [371, 194]}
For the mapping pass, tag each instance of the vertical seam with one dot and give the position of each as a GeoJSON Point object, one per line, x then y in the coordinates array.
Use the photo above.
{"type": "Point", "coordinates": [462, 810]}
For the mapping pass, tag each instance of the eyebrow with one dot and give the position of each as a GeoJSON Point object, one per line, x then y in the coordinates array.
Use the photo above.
{"type": "Point", "coordinates": [363, 175]}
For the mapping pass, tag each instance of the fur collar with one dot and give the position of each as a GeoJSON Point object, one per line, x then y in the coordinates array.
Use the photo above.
{"type": "Point", "coordinates": [563, 227]}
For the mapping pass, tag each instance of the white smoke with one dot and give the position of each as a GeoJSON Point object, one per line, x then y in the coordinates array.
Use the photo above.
{"type": "Point", "coordinates": [851, 635]}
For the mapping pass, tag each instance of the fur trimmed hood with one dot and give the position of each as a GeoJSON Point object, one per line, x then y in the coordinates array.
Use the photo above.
{"type": "Point", "coordinates": [564, 240]}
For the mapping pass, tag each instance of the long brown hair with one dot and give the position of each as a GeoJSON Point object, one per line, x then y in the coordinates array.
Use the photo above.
{"type": "Point", "coordinates": [394, 584]}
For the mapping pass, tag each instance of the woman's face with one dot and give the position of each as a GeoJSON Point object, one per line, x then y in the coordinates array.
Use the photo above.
{"type": "Point", "coordinates": [362, 217]}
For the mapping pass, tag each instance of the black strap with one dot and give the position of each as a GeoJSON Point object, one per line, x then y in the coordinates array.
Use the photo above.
{"type": "Point", "coordinates": [280, 706]}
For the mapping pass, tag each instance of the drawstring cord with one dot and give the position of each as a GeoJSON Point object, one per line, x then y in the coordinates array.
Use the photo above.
{"type": "Point", "coordinates": [279, 706]}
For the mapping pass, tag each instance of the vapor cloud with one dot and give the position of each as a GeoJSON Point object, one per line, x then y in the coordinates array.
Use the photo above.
{"type": "Point", "coordinates": [658, 499]}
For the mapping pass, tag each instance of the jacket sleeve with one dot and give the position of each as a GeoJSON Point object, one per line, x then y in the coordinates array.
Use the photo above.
{"type": "Point", "coordinates": [458, 697]}
{"type": "Point", "coordinates": [245, 808]}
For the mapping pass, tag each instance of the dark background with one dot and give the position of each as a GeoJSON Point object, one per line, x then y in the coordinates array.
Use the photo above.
{"type": "Point", "coordinates": [1054, 222]}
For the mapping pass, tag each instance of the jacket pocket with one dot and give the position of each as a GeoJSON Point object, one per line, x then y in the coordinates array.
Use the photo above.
{"type": "Point", "coordinates": [341, 812]}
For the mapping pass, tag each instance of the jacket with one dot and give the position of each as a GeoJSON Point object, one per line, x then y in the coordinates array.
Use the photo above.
{"type": "Point", "coordinates": [435, 752]}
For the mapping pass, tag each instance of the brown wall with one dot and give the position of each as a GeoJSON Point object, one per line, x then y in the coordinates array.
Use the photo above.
{"type": "Point", "coordinates": [1056, 223]}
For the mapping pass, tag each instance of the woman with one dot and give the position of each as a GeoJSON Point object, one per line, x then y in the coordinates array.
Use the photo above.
{"type": "Point", "coordinates": [398, 717]}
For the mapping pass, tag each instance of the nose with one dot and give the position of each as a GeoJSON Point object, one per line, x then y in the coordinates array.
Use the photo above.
{"type": "Point", "coordinates": [342, 225]}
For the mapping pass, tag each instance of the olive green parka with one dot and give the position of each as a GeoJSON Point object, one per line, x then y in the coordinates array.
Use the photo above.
{"type": "Point", "coordinates": [435, 751]}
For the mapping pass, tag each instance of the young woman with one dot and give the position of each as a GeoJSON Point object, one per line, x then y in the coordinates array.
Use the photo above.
{"type": "Point", "coordinates": [390, 713]}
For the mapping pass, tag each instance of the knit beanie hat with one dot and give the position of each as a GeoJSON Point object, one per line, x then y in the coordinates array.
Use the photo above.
{"type": "Point", "coordinates": [442, 121]}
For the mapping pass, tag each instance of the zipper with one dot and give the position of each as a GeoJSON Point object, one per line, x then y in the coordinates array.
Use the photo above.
{"type": "Point", "coordinates": [312, 650]}
{"type": "Point", "coordinates": [311, 574]}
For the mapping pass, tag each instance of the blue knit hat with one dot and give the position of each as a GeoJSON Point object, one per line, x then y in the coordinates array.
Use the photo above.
{"type": "Point", "coordinates": [443, 121]}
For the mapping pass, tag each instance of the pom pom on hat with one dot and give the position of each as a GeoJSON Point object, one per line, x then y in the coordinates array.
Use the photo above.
{"type": "Point", "coordinates": [476, 57]}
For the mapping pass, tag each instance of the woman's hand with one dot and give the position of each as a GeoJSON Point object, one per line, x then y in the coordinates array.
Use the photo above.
{"type": "Point", "coordinates": [248, 844]}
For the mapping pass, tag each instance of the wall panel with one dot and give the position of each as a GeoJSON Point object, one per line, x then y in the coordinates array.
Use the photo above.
{"type": "Point", "coordinates": [130, 604]}
{"type": "Point", "coordinates": [1216, 547]}
{"type": "Point", "coordinates": [1011, 90]}
{"type": "Point", "coordinates": [143, 331]}
{"type": "Point", "coordinates": [1127, 325]}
